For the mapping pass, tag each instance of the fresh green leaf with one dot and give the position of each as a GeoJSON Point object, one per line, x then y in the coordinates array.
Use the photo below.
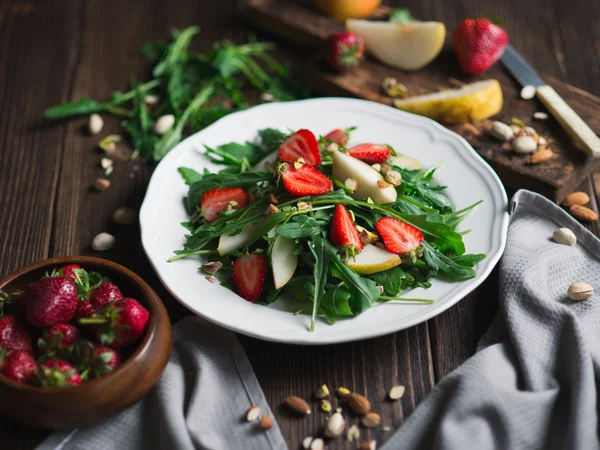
{"type": "Point", "coordinates": [392, 280]}
{"type": "Point", "coordinates": [301, 226]}
{"type": "Point", "coordinates": [335, 303]}
{"type": "Point", "coordinates": [190, 175]}
{"type": "Point", "coordinates": [469, 260]}
{"type": "Point", "coordinates": [322, 251]}
{"type": "Point", "coordinates": [364, 291]}
{"type": "Point", "coordinates": [448, 267]}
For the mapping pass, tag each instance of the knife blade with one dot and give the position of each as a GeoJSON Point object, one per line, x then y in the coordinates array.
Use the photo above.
{"type": "Point", "coordinates": [526, 75]}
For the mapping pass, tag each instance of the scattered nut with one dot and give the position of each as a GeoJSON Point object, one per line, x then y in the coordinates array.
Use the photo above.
{"type": "Point", "coordinates": [109, 143]}
{"type": "Point", "coordinates": [371, 420]}
{"type": "Point", "coordinates": [515, 128]}
{"type": "Point", "coordinates": [342, 392]}
{"type": "Point", "coordinates": [364, 237]}
{"type": "Point", "coordinates": [267, 97]}
{"type": "Point", "coordinates": [359, 404]}
{"type": "Point", "coordinates": [335, 425]}
{"type": "Point", "coordinates": [397, 91]}
{"type": "Point", "coordinates": [124, 216]}
{"type": "Point", "coordinates": [385, 169]}
{"type": "Point", "coordinates": [164, 124]}
{"type": "Point", "coordinates": [388, 83]}
{"type": "Point", "coordinates": [103, 242]}
{"type": "Point", "coordinates": [212, 267]}
{"type": "Point", "coordinates": [101, 184]}
{"type": "Point", "coordinates": [210, 279]}
{"type": "Point", "coordinates": [317, 444]}
{"type": "Point", "coordinates": [151, 99]}
{"type": "Point", "coordinates": [273, 198]}
{"type": "Point", "coordinates": [351, 184]}
{"type": "Point", "coordinates": [95, 124]}
{"type": "Point", "coordinates": [540, 115]}
{"type": "Point", "coordinates": [304, 206]}
{"type": "Point", "coordinates": [338, 410]}
{"type": "Point", "coordinates": [325, 406]}
{"type": "Point", "coordinates": [353, 433]}
{"type": "Point", "coordinates": [524, 144]}
{"type": "Point", "coordinates": [306, 442]}
{"type": "Point", "coordinates": [541, 156]}
{"type": "Point", "coordinates": [252, 413]}
{"type": "Point", "coordinates": [530, 131]}
{"type": "Point", "coordinates": [266, 422]}
{"type": "Point", "coordinates": [528, 92]}
{"type": "Point", "coordinates": [564, 236]}
{"type": "Point", "coordinates": [383, 184]}
{"type": "Point", "coordinates": [386, 429]}
{"type": "Point", "coordinates": [105, 163]}
{"type": "Point", "coordinates": [322, 392]}
{"type": "Point", "coordinates": [580, 291]}
{"type": "Point", "coordinates": [583, 213]}
{"type": "Point", "coordinates": [368, 445]}
{"type": "Point", "coordinates": [296, 404]}
{"type": "Point", "coordinates": [393, 177]}
{"type": "Point", "coordinates": [377, 167]}
{"type": "Point", "coordinates": [299, 163]}
{"type": "Point", "coordinates": [501, 131]}
{"type": "Point", "coordinates": [542, 140]}
{"type": "Point", "coordinates": [576, 198]}
{"type": "Point", "coordinates": [380, 288]}
{"type": "Point", "coordinates": [397, 392]}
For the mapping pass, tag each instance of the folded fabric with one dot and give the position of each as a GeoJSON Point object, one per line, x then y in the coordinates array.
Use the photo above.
{"type": "Point", "coordinates": [533, 383]}
{"type": "Point", "coordinates": [199, 402]}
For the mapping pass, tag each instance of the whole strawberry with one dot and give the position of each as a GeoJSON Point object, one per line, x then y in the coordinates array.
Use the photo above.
{"type": "Point", "coordinates": [50, 301]}
{"type": "Point", "coordinates": [14, 336]}
{"type": "Point", "coordinates": [19, 366]}
{"type": "Point", "coordinates": [119, 323]}
{"type": "Point", "coordinates": [478, 44]}
{"type": "Point", "coordinates": [57, 373]}
{"type": "Point", "coordinates": [344, 51]}
{"type": "Point", "coordinates": [70, 271]}
{"type": "Point", "coordinates": [104, 294]}
{"type": "Point", "coordinates": [104, 361]}
{"type": "Point", "coordinates": [57, 339]}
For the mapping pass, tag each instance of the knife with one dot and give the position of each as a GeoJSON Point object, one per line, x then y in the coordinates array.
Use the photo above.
{"type": "Point", "coordinates": [581, 133]}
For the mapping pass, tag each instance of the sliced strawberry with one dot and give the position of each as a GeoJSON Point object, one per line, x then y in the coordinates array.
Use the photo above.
{"type": "Point", "coordinates": [337, 136]}
{"type": "Point", "coordinates": [217, 200]}
{"type": "Point", "coordinates": [398, 237]}
{"type": "Point", "coordinates": [370, 153]}
{"type": "Point", "coordinates": [249, 275]}
{"type": "Point", "coordinates": [302, 144]}
{"type": "Point", "coordinates": [343, 232]}
{"type": "Point", "coordinates": [305, 180]}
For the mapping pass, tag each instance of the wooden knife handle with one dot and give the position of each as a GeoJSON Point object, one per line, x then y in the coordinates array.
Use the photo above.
{"type": "Point", "coordinates": [583, 135]}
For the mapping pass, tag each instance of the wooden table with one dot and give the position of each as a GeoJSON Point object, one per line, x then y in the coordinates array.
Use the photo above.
{"type": "Point", "coordinates": [57, 51]}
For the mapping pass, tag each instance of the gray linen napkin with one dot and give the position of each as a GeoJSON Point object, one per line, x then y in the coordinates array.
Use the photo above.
{"type": "Point", "coordinates": [198, 403]}
{"type": "Point", "coordinates": [533, 382]}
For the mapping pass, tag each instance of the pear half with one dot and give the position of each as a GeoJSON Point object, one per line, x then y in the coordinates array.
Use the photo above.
{"type": "Point", "coordinates": [407, 46]}
{"type": "Point", "coordinates": [283, 260]}
{"type": "Point", "coordinates": [228, 243]}
{"type": "Point", "coordinates": [346, 166]}
{"type": "Point", "coordinates": [373, 259]}
{"type": "Point", "coordinates": [404, 162]}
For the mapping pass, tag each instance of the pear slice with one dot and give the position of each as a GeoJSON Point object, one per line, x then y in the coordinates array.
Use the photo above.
{"type": "Point", "coordinates": [373, 259]}
{"type": "Point", "coordinates": [283, 260]}
{"type": "Point", "coordinates": [346, 166]}
{"type": "Point", "coordinates": [261, 166]}
{"type": "Point", "coordinates": [404, 162]}
{"type": "Point", "coordinates": [228, 244]}
{"type": "Point", "coordinates": [407, 46]}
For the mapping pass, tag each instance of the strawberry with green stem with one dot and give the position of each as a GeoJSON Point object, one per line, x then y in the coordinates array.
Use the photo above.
{"type": "Point", "coordinates": [14, 336]}
{"type": "Point", "coordinates": [344, 51]}
{"type": "Point", "coordinates": [50, 301]}
{"type": "Point", "coordinates": [17, 365]}
{"type": "Point", "coordinates": [58, 340]}
{"type": "Point", "coordinates": [57, 373]}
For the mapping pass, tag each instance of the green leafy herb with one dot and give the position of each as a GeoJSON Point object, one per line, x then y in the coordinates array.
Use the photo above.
{"type": "Point", "coordinates": [322, 251]}
{"type": "Point", "coordinates": [401, 16]}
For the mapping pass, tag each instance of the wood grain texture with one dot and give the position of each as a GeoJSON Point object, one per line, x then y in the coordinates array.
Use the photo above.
{"type": "Point", "coordinates": [48, 209]}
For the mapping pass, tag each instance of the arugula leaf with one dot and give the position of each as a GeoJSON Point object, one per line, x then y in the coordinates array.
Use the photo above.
{"type": "Point", "coordinates": [335, 303]}
{"type": "Point", "coordinates": [401, 15]}
{"type": "Point", "coordinates": [469, 260]}
{"type": "Point", "coordinates": [271, 139]}
{"type": "Point", "coordinates": [176, 50]}
{"type": "Point", "coordinates": [322, 251]}
{"type": "Point", "coordinates": [438, 261]}
{"type": "Point", "coordinates": [364, 291]}
{"type": "Point", "coordinates": [190, 175]}
{"type": "Point", "coordinates": [301, 226]}
{"type": "Point", "coordinates": [391, 280]}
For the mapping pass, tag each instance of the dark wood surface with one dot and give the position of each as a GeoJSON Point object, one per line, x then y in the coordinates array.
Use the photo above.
{"type": "Point", "coordinates": [306, 27]}
{"type": "Point", "coordinates": [52, 51]}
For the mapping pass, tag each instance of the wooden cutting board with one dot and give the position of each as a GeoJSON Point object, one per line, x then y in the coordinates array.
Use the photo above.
{"type": "Point", "coordinates": [303, 25]}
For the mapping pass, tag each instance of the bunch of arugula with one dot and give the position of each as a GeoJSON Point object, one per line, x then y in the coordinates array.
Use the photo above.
{"type": "Point", "coordinates": [197, 88]}
{"type": "Point", "coordinates": [323, 285]}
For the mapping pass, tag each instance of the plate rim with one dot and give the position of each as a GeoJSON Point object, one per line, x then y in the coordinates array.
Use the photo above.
{"type": "Point", "coordinates": [463, 289]}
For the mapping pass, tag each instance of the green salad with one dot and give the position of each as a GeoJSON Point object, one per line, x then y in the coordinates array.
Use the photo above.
{"type": "Point", "coordinates": [335, 228]}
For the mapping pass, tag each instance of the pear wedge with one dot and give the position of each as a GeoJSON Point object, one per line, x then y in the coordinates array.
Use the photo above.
{"type": "Point", "coordinates": [404, 162]}
{"type": "Point", "coordinates": [228, 243]}
{"type": "Point", "coordinates": [407, 46]}
{"type": "Point", "coordinates": [283, 260]}
{"type": "Point", "coordinates": [373, 259]}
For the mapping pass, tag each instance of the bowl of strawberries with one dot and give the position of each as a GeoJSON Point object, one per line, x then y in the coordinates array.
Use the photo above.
{"type": "Point", "coordinates": [81, 339]}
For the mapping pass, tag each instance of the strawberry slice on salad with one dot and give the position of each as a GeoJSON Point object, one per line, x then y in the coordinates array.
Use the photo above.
{"type": "Point", "coordinates": [370, 153]}
{"type": "Point", "coordinates": [398, 237]}
{"type": "Point", "coordinates": [301, 144]}
{"type": "Point", "coordinates": [337, 136]}
{"type": "Point", "coordinates": [248, 274]}
{"type": "Point", "coordinates": [343, 232]}
{"type": "Point", "coordinates": [217, 200]}
{"type": "Point", "coordinates": [305, 180]}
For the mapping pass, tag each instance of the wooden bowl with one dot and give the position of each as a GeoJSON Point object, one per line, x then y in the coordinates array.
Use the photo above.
{"type": "Point", "coordinates": [90, 403]}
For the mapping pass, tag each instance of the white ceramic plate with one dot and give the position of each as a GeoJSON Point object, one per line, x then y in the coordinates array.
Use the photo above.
{"type": "Point", "coordinates": [467, 176]}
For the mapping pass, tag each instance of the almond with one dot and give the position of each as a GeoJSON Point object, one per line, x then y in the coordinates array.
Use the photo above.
{"type": "Point", "coordinates": [368, 445]}
{"type": "Point", "coordinates": [576, 198]}
{"type": "Point", "coordinates": [296, 404]}
{"type": "Point", "coordinates": [252, 413]}
{"type": "Point", "coordinates": [371, 420]}
{"type": "Point", "coordinates": [382, 184]}
{"type": "Point", "coordinates": [335, 425]}
{"type": "Point", "coordinates": [583, 213]}
{"type": "Point", "coordinates": [359, 404]}
{"type": "Point", "coordinates": [266, 422]}
{"type": "Point", "coordinates": [541, 156]}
